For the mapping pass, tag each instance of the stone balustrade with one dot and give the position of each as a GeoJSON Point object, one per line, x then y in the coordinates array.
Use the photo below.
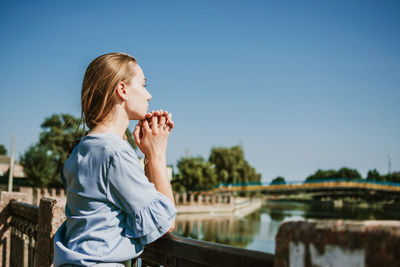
{"type": "Point", "coordinates": [338, 243]}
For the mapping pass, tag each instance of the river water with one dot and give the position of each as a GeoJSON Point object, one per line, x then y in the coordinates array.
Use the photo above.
{"type": "Point", "coordinates": [257, 231]}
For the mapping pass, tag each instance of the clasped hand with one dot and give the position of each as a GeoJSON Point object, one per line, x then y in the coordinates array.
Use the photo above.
{"type": "Point", "coordinates": [151, 133]}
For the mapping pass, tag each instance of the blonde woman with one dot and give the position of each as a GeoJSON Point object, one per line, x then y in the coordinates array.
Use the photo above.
{"type": "Point", "coordinates": [113, 207]}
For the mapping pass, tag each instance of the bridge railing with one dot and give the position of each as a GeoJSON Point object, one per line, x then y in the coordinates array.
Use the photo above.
{"type": "Point", "coordinates": [334, 182]}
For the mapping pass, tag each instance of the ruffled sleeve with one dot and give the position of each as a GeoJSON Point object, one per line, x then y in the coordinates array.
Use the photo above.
{"type": "Point", "coordinates": [150, 214]}
{"type": "Point", "coordinates": [152, 221]}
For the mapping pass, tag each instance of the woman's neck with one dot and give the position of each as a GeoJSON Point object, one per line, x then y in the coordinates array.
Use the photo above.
{"type": "Point", "coordinates": [114, 123]}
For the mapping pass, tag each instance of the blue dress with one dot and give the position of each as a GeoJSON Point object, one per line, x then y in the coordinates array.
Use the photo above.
{"type": "Point", "coordinates": [112, 210]}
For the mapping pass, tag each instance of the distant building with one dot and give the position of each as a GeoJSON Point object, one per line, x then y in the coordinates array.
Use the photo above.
{"type": "Point", "coordinates": [5, 166]}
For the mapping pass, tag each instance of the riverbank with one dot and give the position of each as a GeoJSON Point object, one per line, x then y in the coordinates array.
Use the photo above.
{"type": "Point", "coordinates": [240, 207]}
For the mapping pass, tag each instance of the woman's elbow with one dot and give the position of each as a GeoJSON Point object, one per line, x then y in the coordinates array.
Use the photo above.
{"type": "Point", "coordinates": [171, 229]}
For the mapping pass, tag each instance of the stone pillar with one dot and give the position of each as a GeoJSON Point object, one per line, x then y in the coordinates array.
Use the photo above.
{"type": "Point", "coordinates": [51, 216]}
{"type": "Point", "coordinates": [176, 196]}
{"type": "Point", "coordinates": [62, 193]}
{"type": "Point", "coordinates": [207, 200]}
{"type": "Point", "coordinates": [344, 243]}
{"type": "Point", "coordinates": [53, 192]}
{"type": "Point", "coordinates": [29, 193]}
{"type": "Point", "coordinates": [191, 199]}
{"type": "Point", "coordinates": [220, 199]}
{"type": "Point", "coordinates": [45, 192]}
{"type": "Point", "coordinates": [232, 200]}
{"type": "Point", "coordinates": [184, 198]}
{"type": "Point", "coordinates": [38, 196]}
{"type": "Point", "coordinates": [199, 199]}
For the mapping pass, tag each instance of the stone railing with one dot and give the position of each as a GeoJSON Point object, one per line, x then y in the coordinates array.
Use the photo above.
{"type": "Point", "coordinates": [338, 243]}
{"type": "Point", "coordinates": [27, 231]}
{"type": "Point", "coordinates": [35, 194]}
{"type": "Point", "coordinates": [203, 199]}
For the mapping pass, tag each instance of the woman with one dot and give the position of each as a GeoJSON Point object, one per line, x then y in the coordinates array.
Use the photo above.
{"type": "Point", "coordinates": [113, 207]}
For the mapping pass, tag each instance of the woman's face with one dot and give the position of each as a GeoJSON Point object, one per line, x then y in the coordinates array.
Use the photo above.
{"type": "Point", "coordinates": [137, 95]}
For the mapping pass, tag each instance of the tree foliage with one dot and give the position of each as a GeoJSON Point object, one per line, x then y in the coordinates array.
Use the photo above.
{"type": "Point", "coordinates": [39, 166]}
{"type": "Point", "coordinates": [278, 180]}
{"type": "Point", "coordinates": [194, 174]}
{"type": "Point", "coordinates": [51, 151]}
{"type": "Point", "coordinates": [390, 177]}
{"type": "Point", "coordinates": [231, 166]}
{"type": "Point", "coordinates": [130, 139]}
{"type": "Point", "coordinates": [373, 175]}
{"type": "Point", "coordinates": [344, 172]}
{"type": "Point", "coordinates": [3, 150]}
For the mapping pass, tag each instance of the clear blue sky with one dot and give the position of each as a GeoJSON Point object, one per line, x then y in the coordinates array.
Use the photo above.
{"type": "Point", "coordinates": [300, 85]}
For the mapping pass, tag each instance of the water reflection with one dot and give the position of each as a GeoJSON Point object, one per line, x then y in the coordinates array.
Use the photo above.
{"type": "Point", "coordinates": [257, 231]}
{"type": "Point", "coordinates": [223, 229]}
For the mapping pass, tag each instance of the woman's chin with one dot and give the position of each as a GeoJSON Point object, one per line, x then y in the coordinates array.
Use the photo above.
{"type": "Point", "coordinates": [138, 117]}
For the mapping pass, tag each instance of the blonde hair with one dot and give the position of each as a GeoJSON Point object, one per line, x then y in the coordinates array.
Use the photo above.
{"type": "Point", "coordinates": [101, 78]}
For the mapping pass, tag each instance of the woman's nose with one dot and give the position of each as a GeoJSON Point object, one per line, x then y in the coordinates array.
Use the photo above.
{"type": "Point", "coordinates": [148, 96]}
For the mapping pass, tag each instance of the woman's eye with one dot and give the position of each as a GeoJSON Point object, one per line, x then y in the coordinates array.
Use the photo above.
{"type": "Point", "coordinates": [145, 85]}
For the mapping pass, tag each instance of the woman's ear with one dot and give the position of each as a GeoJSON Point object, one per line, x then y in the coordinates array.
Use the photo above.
{"type": "Point", "coordinates": [121, 91]}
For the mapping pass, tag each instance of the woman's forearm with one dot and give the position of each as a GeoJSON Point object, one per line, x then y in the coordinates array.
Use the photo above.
{"type": "Point", "coordinates": [156, 171]}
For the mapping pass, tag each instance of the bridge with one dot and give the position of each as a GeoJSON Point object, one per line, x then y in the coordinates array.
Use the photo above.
{"type": "Point", "coordinates": [318, 189]}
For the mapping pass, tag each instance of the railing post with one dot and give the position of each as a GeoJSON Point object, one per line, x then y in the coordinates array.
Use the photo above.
{"type": "Point", "coordinates": [51, 216]}
{"type": "Point", "coordinates": [176, 198]}
{"type": "Point", "coordinates": [45, 192]}
{"type": "Point", "coordinates": [29, 193]}
{"type": "Point", "coordinates": [184, 198]}
{"type": "Point", "coordinates": [38, 196]}
{"type": "Point", "coordinates": [53, 192]}
{"type": "Point", "coordinates": [191, 199]}
{"type": "Point", "coordinates": [62, 193]}
{"type": "Point", "coordinates": [220, 199]}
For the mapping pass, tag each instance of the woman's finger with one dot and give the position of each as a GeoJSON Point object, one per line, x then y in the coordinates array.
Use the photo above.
{"type": "Point", "coordinates": [162, 120]}
{"type": "Point", "coordinates": [166, 115]}
{"type": "Point", "coordinates": [154, 122]}
{"type": "Point", "coordinates": [146, 127]}
{"type": "Point", "coordinates": [171, 125]}
{"type": "Point", "coordinates": [136, 135]}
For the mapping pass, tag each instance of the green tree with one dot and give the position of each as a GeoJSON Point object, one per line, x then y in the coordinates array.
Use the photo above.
{"type": "Point", "coordinates": [373, 175]}
{"type": "Point", "coordinates": [348, 173]}
{"type": "Point", "coordinates": [130, 139]}
{"type": "Point", "coordinates": [3, 150]}
{"type": "Point", "coordinates": [392, 177]}
{"type": "Point", "coordinates": [333, 174]}
{"type": "Point", "coordinates": [231, 166]}
{"type": "Point", "coordinates": [278, 180]}
{"type": "Point", "coordinates": [39, 166]}
{"type": "Point", "coordinates": [194, 174]}
{"type": "Point", "coordinates": [51, 151]}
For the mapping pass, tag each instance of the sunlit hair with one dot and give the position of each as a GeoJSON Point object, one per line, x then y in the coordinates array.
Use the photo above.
{"type": "Point", "coordinates": [102, 76]}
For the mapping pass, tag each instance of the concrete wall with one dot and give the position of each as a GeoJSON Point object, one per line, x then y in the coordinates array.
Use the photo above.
{"type": "Point", "coordinates": [338, 243]}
